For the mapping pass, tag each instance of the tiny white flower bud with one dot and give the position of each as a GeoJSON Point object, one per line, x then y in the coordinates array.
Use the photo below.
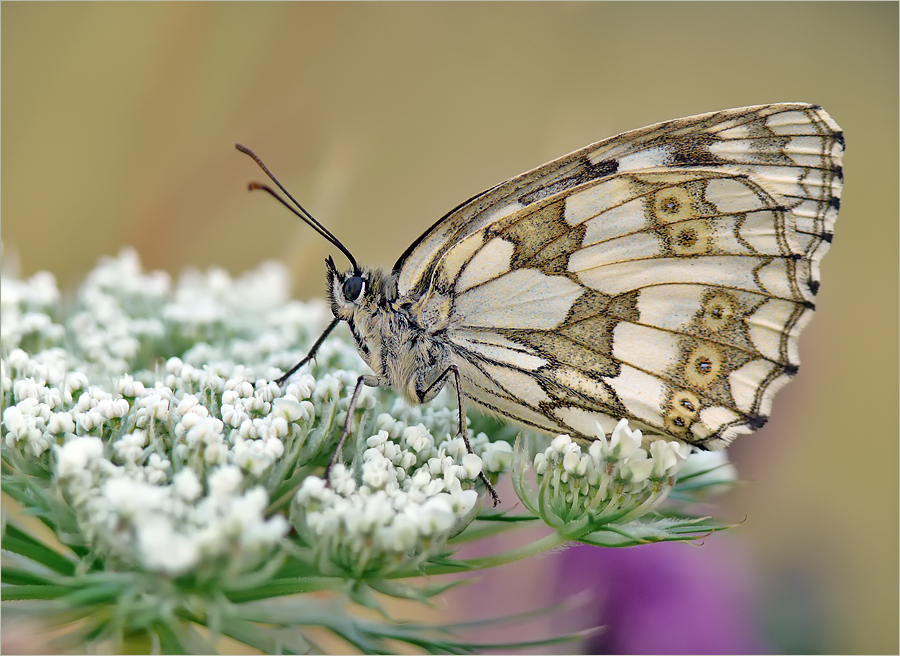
{"type": "Point", "coordinates": [407, 460]}
{"type": "Point", "coordinates": [378, 441]}
{"type": "Point", "coordinates": [280, 427]}
{"type": "Point", "coordinates": [376, 472]}
{"type": "Point", "coordinates": [437, 515]}
{"type": "Point", "coordinates": [497, 456]}
{"type": "Point", "coordinates": [75, 382]}
{"type": "Point", "coordinates": [26, 388]}
{"type": "Point", "coordinates": [421, 478]}
{"type": "Point", "coordinates": [78, 454]}
{"type": "Point", "coordinates": [174, 366]}
{"type": "Point", "coordinates": [391, 452]}
{"type": "Point", "coordinates": [418, 438]}
{"type": "Point", "coordinates": [188, 402]}
{"type": "Point", "coordinates": [275, 447]}
{"type": "Point", "coordinates": [224, 481]}
{"type": "Point", "coordinates": [233, 416]}
{"type": "Point", "coordinates": [401, 536]}
{"type": "Point", "coordinates": [434, 487]}
{"type": "Point", "coordinates": [130, 447]}
{"type": "Point", "coordinates": [288, 408]}
{"type": "Point", "coordinates": [301, 387]}
{"type": "Point", "coordinates": [435, 466]}
{"type": "Point", "coordinates": [667, 457]}
{"type": "Point", "coordinates": [574, 463]}
{"type": "Point", "coordinates": [560, 443]}
{"type": "Point", "coordinates": [129, 387]}
{"type": "Point", "coordinates": [267, 390]}
{"type": "Point", "coordinates": [315, 489]}
{"type": "Point", "coordinates": [386, 422]}
{"type": "Point", "coordinates": [471, 465]}
{"type": "Point", "coordinates": [639, 470]}
{"type": "Point", "coordinates": [624, 441]}
{"type": "Point", "coordinates": [13, 419]}
{"type": "Point", "coordinates": [90, 420]}
{"type": "Point", "coordinates": [342, 480]}
{"type": "Point", "coordinates": [120, 408]}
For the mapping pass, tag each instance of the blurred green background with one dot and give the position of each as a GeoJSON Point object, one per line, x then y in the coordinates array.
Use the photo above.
{"type": "Point", "coordinates": [119, 123]}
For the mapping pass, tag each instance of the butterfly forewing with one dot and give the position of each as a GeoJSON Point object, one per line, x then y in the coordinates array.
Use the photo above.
{"type": "Point", "coordinates": [763, 140]}
{"type": "Point", "coordinates": [662, 275]}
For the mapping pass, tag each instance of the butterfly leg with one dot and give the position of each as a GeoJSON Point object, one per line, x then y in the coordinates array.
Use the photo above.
{"type": "Point", "coordinates": [368, 381]}
{"type": "Point", "coordinates": [463, 429]}
{"type": "Point", "coordinates": [311, 354]}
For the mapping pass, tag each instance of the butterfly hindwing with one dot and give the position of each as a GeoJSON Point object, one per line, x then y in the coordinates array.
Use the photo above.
{"type": "Point", "coordinates": [663, 275]}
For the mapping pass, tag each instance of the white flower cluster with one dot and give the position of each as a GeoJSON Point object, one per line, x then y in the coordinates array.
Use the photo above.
{"type": "Point", "coordinates": [194, 417]}
{"type": "Point", "coordinates": [149, 466]}
{"type": "Point", "coordinates": [27, 313]}
{"type": "Point", "coordinates": [117, 314]}
{"type": "Point", "coordinates": [615, 480]}
{"type": "Point", "coordinates": [154, 414]}
{"type": "Point", "coordinates": [124, 319]}
{"type": "Point", "coordinates": [220, 531]}
{"type": "Point", "coordinates": [414, 494]}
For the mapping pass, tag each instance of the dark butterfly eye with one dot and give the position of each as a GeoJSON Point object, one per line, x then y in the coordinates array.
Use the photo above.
{"type": "Point", "coordinates": [352, 287]}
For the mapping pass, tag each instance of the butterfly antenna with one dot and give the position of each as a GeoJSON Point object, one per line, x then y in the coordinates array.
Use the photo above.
{"type": "Point", "coordinates": [308, 218]}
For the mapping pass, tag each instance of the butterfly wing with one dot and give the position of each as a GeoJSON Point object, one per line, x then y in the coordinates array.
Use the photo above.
{"type": "Point", "coordinates": [663, 275]}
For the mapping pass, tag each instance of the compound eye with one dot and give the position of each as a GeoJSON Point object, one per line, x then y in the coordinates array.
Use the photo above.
{"type": "Point", "coordinates": [352, 287]}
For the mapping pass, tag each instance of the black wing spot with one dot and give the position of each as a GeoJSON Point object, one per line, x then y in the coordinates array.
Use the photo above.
{"type": "Point", "coordinates": [586, 173]}
{"type": "Point", "coordinates": [827, 236]}
{"type": "Point", "coordinates": [835, 202]}
{"type": "Point", "coordinates": [757, 421]}
{"type": "Point", "coordinates": [603, 168]}
{"type": "Point", "coordinates": [694, 153]}
{"type": "Point", "coordinates": [838, 172]}
{"type": "Point", "coordinates": [839, 137]}
{"type": "Point", "coordinates": [813, 286]}
{"type": "Point", "coordinates": [791, 369]}
{"type": "Point", "coordinates": [809, 305]}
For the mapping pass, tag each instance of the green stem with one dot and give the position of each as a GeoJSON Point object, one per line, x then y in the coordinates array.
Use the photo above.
{"type": "Point", "coordinates": [551, 541]}
{"type": "Point", "coordinates": [546, 543]}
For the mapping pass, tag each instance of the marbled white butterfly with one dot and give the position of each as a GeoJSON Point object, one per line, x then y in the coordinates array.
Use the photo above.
{"type": "Point", "coordinates": [662, 275]}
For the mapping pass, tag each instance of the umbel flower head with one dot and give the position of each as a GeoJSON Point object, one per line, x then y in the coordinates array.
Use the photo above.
{"type": "Point", "coordinates": [412, 496]}
{"type": "Point", "coordinates": [602, 493]}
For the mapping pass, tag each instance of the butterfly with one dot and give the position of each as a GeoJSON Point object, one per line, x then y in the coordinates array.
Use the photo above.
{"type": "Point", "coordinates": [662, 275]}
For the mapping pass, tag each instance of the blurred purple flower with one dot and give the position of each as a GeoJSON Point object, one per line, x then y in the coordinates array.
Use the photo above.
{"type": "Point", "coordinates": [667, 598]}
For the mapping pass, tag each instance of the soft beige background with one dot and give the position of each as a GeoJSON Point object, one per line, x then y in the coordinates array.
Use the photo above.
{"type": "Point", "coordinates": [118, 125]}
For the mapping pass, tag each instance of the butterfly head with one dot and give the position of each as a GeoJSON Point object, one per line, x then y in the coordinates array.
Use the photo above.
{"type": "Point", "coordinates": [346, 289]}
{"type": "Point", "coordinates": [363, 298]}
{"type": "Point", "coordinates": [358, 289]}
